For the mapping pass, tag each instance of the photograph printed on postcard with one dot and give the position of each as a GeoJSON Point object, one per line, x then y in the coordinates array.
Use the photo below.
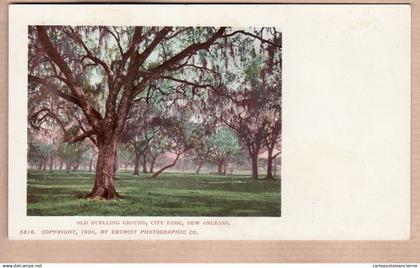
{"type": "Point", "coordinates": [209, 122]}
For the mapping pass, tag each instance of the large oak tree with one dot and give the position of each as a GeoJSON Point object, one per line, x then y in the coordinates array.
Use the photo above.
{"type": "Point", "coordinates": [127, 61]}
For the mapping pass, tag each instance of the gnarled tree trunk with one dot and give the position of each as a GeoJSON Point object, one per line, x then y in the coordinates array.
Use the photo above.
{"type": "Point", "coordinates": [254, 158]}
{"type": "Point", "coordinates": [220, 165]}
{"type": "Point", "coordinates": [90, 164]}
{"type": "Point", "coordinates": [104, 186]}
{"type": "Point", "coordinates": [275, 166]}
{"type": "Point", "coordinates": [152, 164]}
{"type": "Point", "coordinates": [51, 161]}
{"type": "Point", "coordinates": [270, 164]}
{"type": "Point", "coordinates": [200, 164]}
{"type": "Point", "coordinates": [76, 166]}
{"type": "Point", "coordinates": [144, 165]}
{"type": "Point", "coordinates": [166, 167]}
{"type": "Point", "coordinates": [68, 166]}
{"type": "Point", "coordinates": [136, 165]}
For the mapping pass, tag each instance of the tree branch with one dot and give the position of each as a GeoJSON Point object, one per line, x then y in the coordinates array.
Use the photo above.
{"type": "Point", "coordinates": [117, 38]}
{"type": "Point", "coordinates": [274, 156]}
{"type": "Point", "coordinates": [52, 52]}
{"type": "Point", "coordinates": [188, 51]}
{"type": "Point", "coordinates": [93, 116]}
{"type": "Point", "coordinates": [252, 35]}
{"type": "Point", "coordinates": [83, 136]}
{"type": "Point", "coordinates": [51, 88]}
{"type": "Point", "coordinates": [73, 35]}
{"type": "Point", "coordinates": [50, 114]}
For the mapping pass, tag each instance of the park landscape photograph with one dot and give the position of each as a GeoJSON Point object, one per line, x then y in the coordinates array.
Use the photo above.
{"type": "Point", "coordinates": [154, 121]}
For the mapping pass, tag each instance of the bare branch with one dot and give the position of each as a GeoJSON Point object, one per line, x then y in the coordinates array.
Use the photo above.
{"type": "Point", "coordinates": [83, 136]}
{"type": "Point", "coordinates": [116, 35]}
{"type": "Point", "coordinates": [93, 116]}
{"type": "Point", "coordinates": [51, 88]}
{"type": "Point", "coordinates": [252, 35]}
{"type": "Point", "coordinates": [188, 51]}
{"type": "Point", "coordinates": [48, 113]}
{"type": "Point", "coordinates": [52, 52]}
{"type": "Point", "coordinates": [73, 35]}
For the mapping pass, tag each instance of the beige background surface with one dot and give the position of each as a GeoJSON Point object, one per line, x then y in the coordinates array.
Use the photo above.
{"type": "Point", "coordinates": [210, 251]}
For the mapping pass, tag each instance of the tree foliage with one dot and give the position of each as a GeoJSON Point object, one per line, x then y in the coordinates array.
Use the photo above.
{"type": "Point", "coordinates": [153, 90]}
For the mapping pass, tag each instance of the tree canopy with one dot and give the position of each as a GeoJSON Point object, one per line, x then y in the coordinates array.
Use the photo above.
{"type": "Point", "coordinates": [206, 91]}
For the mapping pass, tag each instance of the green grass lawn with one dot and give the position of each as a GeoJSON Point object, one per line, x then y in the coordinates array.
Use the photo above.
{"type": "Point", "coordinates": [171, 194]}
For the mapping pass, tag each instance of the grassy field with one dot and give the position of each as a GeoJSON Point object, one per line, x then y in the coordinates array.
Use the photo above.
{"type": "Point", "coordinates": [172, 194]}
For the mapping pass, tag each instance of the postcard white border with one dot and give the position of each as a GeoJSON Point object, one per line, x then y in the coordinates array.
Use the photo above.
{"type": "Point", "coordinates": [346, 117]}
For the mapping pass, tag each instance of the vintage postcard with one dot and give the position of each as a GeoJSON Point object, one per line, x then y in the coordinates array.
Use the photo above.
{"type": "Point", "coordinates": [209, 122]}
